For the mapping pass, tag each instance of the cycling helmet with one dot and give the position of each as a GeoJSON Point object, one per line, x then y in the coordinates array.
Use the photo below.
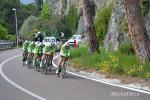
{"type": "Point", "coordinates": [29, 41]}
{"type": "Point", "coordinates": [49, 44]}
{"type": "Point", "coordinates": [41, 44]}
{"type": "Point", "coordinates": [38, 32]}
{"type": "Point", "coordinates": [52, 44]}
{"type": "Point", "coordinates": [32, 42]}
{"type": "Point", "coordinates": [36, 43]}
{"type": "Point", "coordinates": [26, 41]}
{"type": "Point", "coordinates": [67, 44]}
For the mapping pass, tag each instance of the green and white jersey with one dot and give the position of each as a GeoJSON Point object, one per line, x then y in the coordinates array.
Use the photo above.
{"type": "Point", "coordinates": [25, 46]}
{"type": "Point", "coordinates": [65, 51]}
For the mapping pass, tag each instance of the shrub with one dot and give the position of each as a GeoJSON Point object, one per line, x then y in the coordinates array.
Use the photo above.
{"type": "Point", "coordinates": [71, 20]}
{"type": "Point", "coordinates": [102, 21]}
{"type": "Point", "coordinates": [126, 48]}
{"type": "Point", "coordinates": [3, 33]}
{"type": "Point", "coordinates": [46, 12]}
{"type": "Point", "coordinates": [28, 26]}
{"type": "Point", "coordinates": [110, 64]}
{"type": "Point", "coordinates": [145, 6]}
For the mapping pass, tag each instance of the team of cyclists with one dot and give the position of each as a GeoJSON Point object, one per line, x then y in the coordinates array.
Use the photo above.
{"type": "Point", "coordinates": [37, 50]}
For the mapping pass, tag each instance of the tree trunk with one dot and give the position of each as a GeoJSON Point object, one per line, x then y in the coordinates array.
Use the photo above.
{"type": "Point", "coordinates": [137, 31]}
{"type": "Point", "coordinates": [111, 42]}
{"type": "Point", "coordinates": [90, 29]}
{"type": "Point", "coordinates": [62, 9]}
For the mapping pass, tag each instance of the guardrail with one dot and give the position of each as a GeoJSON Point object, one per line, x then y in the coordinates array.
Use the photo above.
{"type": "Point", "coordinates": [5, 45]}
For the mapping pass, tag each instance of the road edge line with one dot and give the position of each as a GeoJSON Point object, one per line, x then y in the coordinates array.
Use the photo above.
{"type": "Point", "coordinates": [13, 83]}
{"type": "Point", "coordinates": [100, 81]}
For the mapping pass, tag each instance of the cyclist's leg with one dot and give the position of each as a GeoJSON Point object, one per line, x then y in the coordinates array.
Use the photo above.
{"type": "Point", "coordinates": [23, 56]}
{"type": "Point", "coordinates": [42, 60]}
{"type": "Point", "coordinates": [64, 61]}
{"type": "Point", "coordinates": [50, 59]}
{"type": "Point", "coordinates": [59, 66]}
{"type": "Point", "coordinates": [34, 58]}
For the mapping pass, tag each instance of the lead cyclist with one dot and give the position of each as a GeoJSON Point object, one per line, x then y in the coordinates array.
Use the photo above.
{"type": "Point", "coordinates": [64, 54]}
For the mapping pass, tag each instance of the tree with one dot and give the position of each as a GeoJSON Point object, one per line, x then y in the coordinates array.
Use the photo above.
{"type": "Point", "coordinates": [71, 20]}
{"type": "Point", "coordinates": [3, 33]}
{"type": "Point", "coordinates": [46, 12]}
{"type": "Point", "coordinates": [90, 28]}
{"type": "Point", "coordinates": [29, 25]}
{"type": "Point", "coordinates": [39, 4]}
{"type": "Point", "coordinates": [137, 31]}
{"type": "Point", "coordinates": [7, 16]}
{"type": "Point", "coordinates": [62, 7]}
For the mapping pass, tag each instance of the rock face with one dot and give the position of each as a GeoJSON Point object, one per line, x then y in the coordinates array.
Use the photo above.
{"type": "Point", "coordinates": [62, 7]}
{"type": "Point", "coordinates": [54, 6]}
{"type": "Point", "coordinates": [147, 23]}
{"type": "Point", "coordinates": [113, 35]}
{"type": "Point", "coordinates": [69, 4]}
{"type": "Point", "coordinates": [111, 40]}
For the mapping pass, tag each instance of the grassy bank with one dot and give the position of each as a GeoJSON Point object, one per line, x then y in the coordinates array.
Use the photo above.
{"type": "Point", "coordinates": [114, 63]}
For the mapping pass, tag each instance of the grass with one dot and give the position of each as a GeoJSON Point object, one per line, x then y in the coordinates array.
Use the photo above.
{"type": "Point", "coordinates": [115, 63]}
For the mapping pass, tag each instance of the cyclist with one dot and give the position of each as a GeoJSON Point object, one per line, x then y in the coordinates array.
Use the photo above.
{"type": "Point", "coordinates": [45, 53]}
{"type": "Point", "coordinates": [30, 52]}
{"type": "Point", "coordinates": [48, 50]}
{"type": "Point", "coordinates": [52, 51]}
{"type": "Point", "coordinates": [31, 48]}
{"type": "Point", "coordinates": [64, 53]}
{"type": "Point", "coordinates": [25, 49]}
{"type": "Point", "coordinates": [37, 51]}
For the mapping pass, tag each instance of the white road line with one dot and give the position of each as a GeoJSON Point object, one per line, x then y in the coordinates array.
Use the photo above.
{"type": "Point", "coordinates": [16, 85]}
{"type": "Point", "coordinates": [137, 90]}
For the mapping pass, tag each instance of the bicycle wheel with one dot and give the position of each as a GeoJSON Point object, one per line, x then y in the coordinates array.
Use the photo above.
{"type": "Point", "coordinates": [50, 65]}
{"type": "Point", "coordinates": [46, 65]}
{"type": "Point", "coordinates": [63, 72]}
{"type": "Point", "coordinates": [45, 70]}
{"type": "Point", "coordinates": [24, 58]}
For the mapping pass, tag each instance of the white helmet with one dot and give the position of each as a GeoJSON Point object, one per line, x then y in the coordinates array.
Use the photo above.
{"type": "Point", "coordinates": [38, 32]}
{"type": "Point", "coordinates": [49, 44]}
{"type": "Point", "coordinates": [67, 44]}
{"type": "Point", "coordinates": [26, 41]}
{"type": "Point", "coordinates": [39, 44]}
{"type": "Point", "coordinates": [52, 44]}
{"type": "Point", "coordinates": [32, 42]}
{"type": "Point", "coordinates": [36, 43]}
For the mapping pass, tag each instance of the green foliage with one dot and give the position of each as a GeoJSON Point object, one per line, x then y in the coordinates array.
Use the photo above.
{"type": "Point", "coordinates": [29, 25]}
{"type": "Point", "coordinates": [7, 16]}
{"type": "Point", "coordinates": [145, 7]}
{"type": "Point", "coordinates": [114, 63]}
{"type": "Point", "coordinates": [50, 27]}
{"type": "Point", "coordinates": [123, 26]}
{"type": "Point", "coordinates": [81, 59]}
{"type": "Point", "coordinates": [46, 12]}
{"type": "Point", "coordinates": [102, 21]}
{"type": "Point", "coordinates": [3, 33]}
{"type": "Point", "coordinates": [39, 4]}
{"type": "Point", "coordinates": [126, 48]}
{"type": "Point", "coordinates": [71, 20]}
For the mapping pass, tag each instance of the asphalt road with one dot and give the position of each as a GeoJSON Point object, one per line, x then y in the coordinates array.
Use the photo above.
{"type": "Point", "coordinates": [54, 88]}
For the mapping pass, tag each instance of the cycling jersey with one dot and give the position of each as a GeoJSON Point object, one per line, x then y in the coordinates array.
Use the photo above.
{"type": "Point", "coordinates": [48, 49]}
{"type": "Point", "coordinates": [64, 51]}
{"type": "Point", "coordinates": [25, 46]}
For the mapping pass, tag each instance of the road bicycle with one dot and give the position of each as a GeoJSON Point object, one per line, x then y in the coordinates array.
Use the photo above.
{"type": "Point", "coordinates": [25, 55]}
{"type": "Point", "coordinates": [63, 71]}
{"type": "Point", "coordinates": [46, 65]}
{"type": "Point", "coordinates": [37, 63]}
{"type": "Point", "coordinates": [29, 60]}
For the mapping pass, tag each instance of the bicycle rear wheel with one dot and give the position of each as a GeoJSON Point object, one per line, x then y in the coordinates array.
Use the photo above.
{"type": "Point", "coordinates": [63, 72]}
